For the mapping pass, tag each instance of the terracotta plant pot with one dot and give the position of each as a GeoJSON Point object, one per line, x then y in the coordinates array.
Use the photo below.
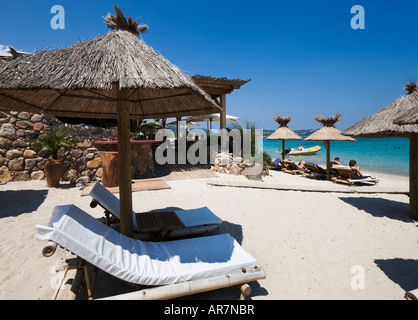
{"type": "Point", "coordinates": [53, 171]}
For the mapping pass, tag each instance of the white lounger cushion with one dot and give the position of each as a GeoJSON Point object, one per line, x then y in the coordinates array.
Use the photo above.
{"type": "Point", "coordinates": [190, 218]}
{"type": "Point", "coordinates": [140, 262]}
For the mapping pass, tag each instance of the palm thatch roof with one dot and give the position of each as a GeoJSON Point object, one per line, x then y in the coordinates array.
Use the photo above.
{"type": "Point", "coordinates": [388, 122]}
{"type": "Point", "coordinates": [283, 132]}
{"type": "Point", "coordinates": [410, 117]}
{"type": "Point", "coordinates": [78, 81]}
{"type": "Point", "coordinates": [217, 87]}
{"type": "Point", "coordinates": [328, 132]}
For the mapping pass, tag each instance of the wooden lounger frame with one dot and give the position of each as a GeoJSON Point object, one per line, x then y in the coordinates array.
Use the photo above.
{"type": "Point", "coordinates": [239, 277]}
{"type": "Point", "coordinates": [112, 221]}
{"type": "Point", "coordinates": [347, 176]}
{"type": "Point", "coordinates": [290, 167]}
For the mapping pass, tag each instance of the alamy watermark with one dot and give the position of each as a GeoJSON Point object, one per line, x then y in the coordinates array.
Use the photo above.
{"type": "Point", "coordinates": [358, 21]}
{"type": "Point", "coordinates": [358, 280]}
{"type": "Point", "coordinates": [58, 20]}
{"type": "Point", "coordinates": [200, 147]}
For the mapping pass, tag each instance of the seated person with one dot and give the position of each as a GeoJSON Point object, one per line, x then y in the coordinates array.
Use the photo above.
{"type": "Point", "coordinates": [301, 166]}
{"type": "Point", "coordinates": [356, 170]}
{"type": "Point", "coordinates": [336, 161]}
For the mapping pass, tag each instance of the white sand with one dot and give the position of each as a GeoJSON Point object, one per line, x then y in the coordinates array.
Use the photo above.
{"type": "Point", "coordinates": [307, 242]}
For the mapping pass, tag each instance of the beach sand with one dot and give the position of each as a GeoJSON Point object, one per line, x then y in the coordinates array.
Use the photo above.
{"type": "Point", "coordinates": [312, 245]}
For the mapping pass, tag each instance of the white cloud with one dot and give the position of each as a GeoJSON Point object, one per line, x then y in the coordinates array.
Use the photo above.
{"type": "Point", "coordinates": [4, 50]}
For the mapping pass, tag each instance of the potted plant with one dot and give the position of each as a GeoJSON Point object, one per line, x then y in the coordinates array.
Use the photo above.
{"type": "Point", "coordinates": [53, 140]}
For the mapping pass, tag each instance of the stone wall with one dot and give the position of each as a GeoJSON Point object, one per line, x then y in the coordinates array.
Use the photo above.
{"type": "Point", "coordinates": [21, 161]}
{"type": "Point", "coordinates": [228, 164]}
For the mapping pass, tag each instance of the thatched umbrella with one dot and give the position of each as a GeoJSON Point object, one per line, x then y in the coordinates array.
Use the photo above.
{"type": "Point", "coordinates": [283, 132]}
{"type": "Point", "coordinates": [327, 134]}
{"type": "Point", "coordinates": [381, 124]}
{"type": "Point", "coordinates": [210, 117]}
{"type": "Point", "coordinates": [111, 76]}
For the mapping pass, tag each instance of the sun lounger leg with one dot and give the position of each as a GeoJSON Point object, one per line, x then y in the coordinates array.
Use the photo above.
{"type": "Point", "coordinates": [245, 291]}
{"type": "Point", "coordinates": [49, 249]}
{"type": "Point", "coordinates": [90, 285]}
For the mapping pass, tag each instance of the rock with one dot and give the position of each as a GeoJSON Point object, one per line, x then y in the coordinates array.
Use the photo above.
{"type": "Point", "coordinates": [4, 117]}
{"type": "Point", "coordinates": [37, 175]}
{"type": "Point", "coordinates": [254, 172]}
{"type": "Point", "coordinates": [36, 118]}
{"type": "Point", "coordinates": [29, 154]}
{"type": "Point", "coordinates": [90, 156]}
{"type": "Point", "coordinates": [95, 163]}
{"type": "Point", "coordinates": [15, 165]}
{"type": "Point", "coordinates": [24, 115]}
{"type": "Point", "coordinates": [80, 164]}
{"type": "Point", "coordinates": [41, 164]}
{"type": "Point", "coordinates": [21, 176]}
{"type": "Point", "coordinates": [1, 160]}
{"type": "Point", "coordinates": [31, 135]}
{"type": "Point", "coordinates": [24, 124]}
{"type": "Point", "coordinates": [19, 143]}
{"type": "Point", "coordinates": [99, 173]}
{"type": "Point", "coordinates": [76, 153]}
{"type": "Point", "coordinates": [30, 164]}
{"type": "Point", "coordinates": [7, 131]}
{"type": "Point", "coordinates": [44, 153]}
{"type": "Point", "coordinates": [85, 144]}
{"type": "Point", "coordinates": [38, 126]}
{"type": "Point", "coordinates": [5, 174]}
{"type": "Point", "coordinates": [13, 154]}
{"type": "Point", "coordinates": [82, 181]}
{"type": "Point", "coordinates": [5, 143]}
{"type": "Point", "coordinates": [237, 160]}
{"type": "Point", "coordinates": [235, 169]}
{"type": "Point", "coordinates": [70, 174]}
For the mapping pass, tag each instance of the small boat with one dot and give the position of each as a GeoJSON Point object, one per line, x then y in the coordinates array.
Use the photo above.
{"type": "Point", "coordinates": [300, 151]}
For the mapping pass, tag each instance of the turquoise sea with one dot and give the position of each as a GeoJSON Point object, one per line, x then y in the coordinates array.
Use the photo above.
{"type": "Point", "coordinates": [389, 155]}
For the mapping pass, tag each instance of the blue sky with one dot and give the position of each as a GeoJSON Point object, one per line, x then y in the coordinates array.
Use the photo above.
{"type": "Point", "coordinates": [303, 57]}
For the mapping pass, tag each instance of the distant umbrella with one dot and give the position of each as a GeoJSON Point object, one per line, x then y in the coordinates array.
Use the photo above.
{"type": "Point", "coordinates": [397, 119]}
{"type": "Point", "coordinates": [283, 132]}
{"type": "Point", "coordinates": [209, 118]}
{"type": "Point", "coordinates": [327, 134]}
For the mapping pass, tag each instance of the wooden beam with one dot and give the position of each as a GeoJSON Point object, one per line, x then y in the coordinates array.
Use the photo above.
{"type": "Point", "coordinates": [124, 162]}
{"type": "Point", "coordinates": [328, 147]}
{"type": "Point", "coordinates": [413, 176]}
{"type": "Point", "coordinates": [223, 119]}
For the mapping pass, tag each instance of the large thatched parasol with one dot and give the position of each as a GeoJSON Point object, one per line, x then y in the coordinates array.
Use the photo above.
{"type": "Point", "coordinates": [327, 134]}
{"type": "Point", "coordinates": [392, 121]}
{"type": "Point", "coordinates": [283, 132]}
{"type": "Point", "coordinates": [111, 76]}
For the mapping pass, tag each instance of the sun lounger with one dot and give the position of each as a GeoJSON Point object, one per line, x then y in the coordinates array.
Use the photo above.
{"type": "Point", "coordinates": [315, 171]}
{"type": "Point", "coordinates": [346, 175]}
{"type": "Point", "coordinates": [196, 221]}
{"type": "Point", "coordinates": [291, 167]}
{"type": "Point", "coordinates": [176, 264]}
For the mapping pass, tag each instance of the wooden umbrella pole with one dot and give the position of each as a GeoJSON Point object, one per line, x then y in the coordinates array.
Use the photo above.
{"type": "Point", "coordinates": [283, 149]}
{"type": "Point", "coordinates": [328, 144]}
{"type": "Point", "coordinates": [413, 176]}
{"type": "Point", "coordinates": [124, 163]}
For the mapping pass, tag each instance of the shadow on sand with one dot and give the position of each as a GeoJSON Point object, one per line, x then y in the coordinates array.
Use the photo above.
{"type": "Point", "coordinates": [16, 202]}
{"type": "Point", "coordinates": [403, 272]}
{"type": "Point", "coordinates": [380, 207]}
